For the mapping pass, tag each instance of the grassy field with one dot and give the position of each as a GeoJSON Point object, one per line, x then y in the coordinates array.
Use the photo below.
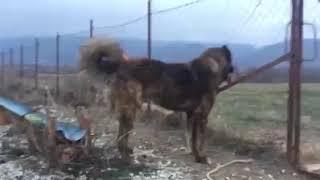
{"type": "Point", "coordinates": [254, 105]}
{"type": "Point", "coordinates": [249, 111]}
{"type": "Point", "coordinates": [258, 113]}
{"type": "Point", "coordinates": [244, 107]}
{"type": "Point", "coordinates": [265, 105]}
{"type": "Point", "coordinates": [247, 120]}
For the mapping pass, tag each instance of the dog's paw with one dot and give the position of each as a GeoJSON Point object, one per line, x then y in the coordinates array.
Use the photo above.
{"type": "Point", "coordinates": [208, 161]}
{"type": "Point", "coordinates": [129, 151]}
{"type": "Point", "coordinates": [188, 151]}
{"type": "Point", "coordinates": [126, 151]}
{"type": "Point", "coordinates": [126, 160]}
{"type": "Point", "coordinates": [204, 160]}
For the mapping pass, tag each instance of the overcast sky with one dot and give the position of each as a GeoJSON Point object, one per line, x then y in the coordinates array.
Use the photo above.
{"type": "Point", "coordinates": [210, 20]}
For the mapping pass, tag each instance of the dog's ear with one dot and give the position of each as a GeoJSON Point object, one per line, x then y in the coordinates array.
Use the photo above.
{"type": "Point", "coordinates": [225, 47]}
{"type": "Point", "coordinates": [227, 52]}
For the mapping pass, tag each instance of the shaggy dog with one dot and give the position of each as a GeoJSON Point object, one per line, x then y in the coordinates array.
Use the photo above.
{"type": "Point", "coordinates": [189, 87]}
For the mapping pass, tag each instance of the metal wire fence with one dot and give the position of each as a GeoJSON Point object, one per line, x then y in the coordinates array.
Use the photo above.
{"type": "Point", "coordinates": [254, 16]}
{"type": "Point", "coordinates": [255, 30]}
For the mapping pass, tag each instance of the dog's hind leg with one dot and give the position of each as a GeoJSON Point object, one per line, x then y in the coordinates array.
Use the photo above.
{"type": "Point", "coordinates": [128, 103]}
{"type": "Point", "coordinates": [125, 127]}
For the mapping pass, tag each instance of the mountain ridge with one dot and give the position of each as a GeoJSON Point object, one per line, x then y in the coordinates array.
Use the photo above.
{"type": "Point", "coordinates": [245, 55]}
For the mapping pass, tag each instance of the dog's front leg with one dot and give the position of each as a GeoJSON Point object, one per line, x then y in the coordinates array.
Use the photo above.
{"type": "Point", "coordinates": [188, 131]}
{"type": "Point", "coordinates": [199, 126]}
{"type": "Point", "coordinates": [197, 153]}
{"type": "Point", "coordinates": [199, 129]}
{"type": "Point", "coordinates": [202, 140]}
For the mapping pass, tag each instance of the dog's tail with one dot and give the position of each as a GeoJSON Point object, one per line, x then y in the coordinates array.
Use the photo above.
{"type": "Point", "coordinates": [101, 55]}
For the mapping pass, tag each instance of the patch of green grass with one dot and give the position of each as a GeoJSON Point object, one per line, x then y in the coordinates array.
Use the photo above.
{"type": "Point", "coordinates": [253, 106]}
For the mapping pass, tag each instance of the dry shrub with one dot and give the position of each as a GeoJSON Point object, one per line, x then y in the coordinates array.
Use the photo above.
{"type": "Point", "coordinates": [161, 118]}
{"type": "Point", "coordinates": [4, 117]}
{"type": "Point", "coordinates": [77, 89]}
{"type": "Point", "coordinates": [80, 89]}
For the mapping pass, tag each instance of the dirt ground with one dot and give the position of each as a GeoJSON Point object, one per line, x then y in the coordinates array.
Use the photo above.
{"type": "Point", "coordinates": [158, 154]}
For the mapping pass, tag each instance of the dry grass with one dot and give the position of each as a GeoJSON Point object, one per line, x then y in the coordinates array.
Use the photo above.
{"type": "Point", "coordinates": [249, 115]}
{"type": "Point", "coordinates": [256, 113]}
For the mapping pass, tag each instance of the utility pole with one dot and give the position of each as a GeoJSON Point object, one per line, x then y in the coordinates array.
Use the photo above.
{"type": "Point", "coordinates": [149, 28]}
{"type": "Point", "coordinates": [294, 109]}
{"type": "Point", "coordinates": [149, 41]}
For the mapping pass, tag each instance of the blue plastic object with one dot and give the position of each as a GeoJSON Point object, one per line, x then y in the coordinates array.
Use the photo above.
{"type": "Point", "coordinates": [15, 107]}
{"type": "Point", "coordinates": [69, 131]}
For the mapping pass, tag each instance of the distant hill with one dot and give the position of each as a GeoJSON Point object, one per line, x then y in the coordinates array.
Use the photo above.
{"type": "Point", "coordinates": [245, 55]}
{"type": "Point", "coordinates": [267, 53]}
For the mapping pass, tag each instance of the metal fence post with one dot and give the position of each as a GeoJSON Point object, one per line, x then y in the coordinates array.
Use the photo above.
{"type": "Point", "coordinates": [11, 58]}
{"type": "Point", "coordinates": [149, 42]}
{"type": "Point", "coordinates": [21, 68]}
{"type": "Point", "coordinates": [294, 109]}
{"type": "Point", "coordinates": [57, 65]}
{"type": "Point", "coordinates": [36, 63]}
{"type": "Point", "coordinates": [91, 28]}
{"type": "Point", "coordinates": [2, 70]}
{"type": "Point", "coordinates": [11, 72]}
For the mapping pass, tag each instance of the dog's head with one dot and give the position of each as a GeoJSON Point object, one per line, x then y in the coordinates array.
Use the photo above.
{"type": "Point", "coordinates": [219, 60]}
{"type": "Point", "coordinates": [228, 68]}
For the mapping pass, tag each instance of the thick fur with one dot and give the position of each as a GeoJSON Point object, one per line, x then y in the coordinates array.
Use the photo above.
{"type": "Point", "coordinates": [93, 50]}
{"type": "Point", "coordinates": [188, 87]}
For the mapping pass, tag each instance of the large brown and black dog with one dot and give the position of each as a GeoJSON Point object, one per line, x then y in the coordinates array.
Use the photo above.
{"type": "Point", "coordinates": [188, 87]}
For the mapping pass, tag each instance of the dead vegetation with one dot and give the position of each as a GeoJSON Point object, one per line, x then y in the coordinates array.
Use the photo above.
{"type": "Point", "coordinates": [160, 144]}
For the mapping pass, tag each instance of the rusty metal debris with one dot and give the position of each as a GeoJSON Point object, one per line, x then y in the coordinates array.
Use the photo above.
{"type": "Point", "coordinates": [219, 166]}
{"type": "Point", "coordinates": [60, 142]}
